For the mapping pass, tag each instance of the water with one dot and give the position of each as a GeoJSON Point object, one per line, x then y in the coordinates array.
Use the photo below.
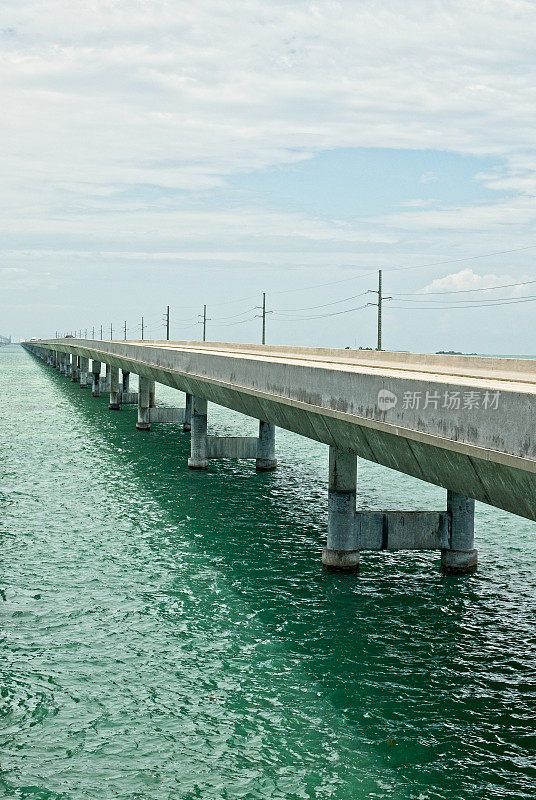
{"type": "Point", "coordinates": [170, 634]}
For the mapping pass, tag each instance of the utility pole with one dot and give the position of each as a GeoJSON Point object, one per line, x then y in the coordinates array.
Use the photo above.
{"type": "Point", "coordinates": [101, 332]}
{"type": "Point", "coordinates": [85, 334]}
{"type": "Point", "coordinates": [80, 334]}
{"type": "Point", "coordinates": [204, 318]}
{"type": "Point", "coordinates": [125, 330]}
{"type": "Point", "coordinates": [57, 337]}
{"type": "Point", "coordinates": [264, 317]}
{"type": "Point", "coordinates": [379, 310]}
{"type": "Point", "coordinates": [111, 332]}
{"type": "Point", "coordinates": [93, 332]}
{"type": "Point", "coordinates": [381, 298]}
{"type": "Point", "coordinates": [167, 324]}
{"type": "Point", "coordinates": [142, 328]}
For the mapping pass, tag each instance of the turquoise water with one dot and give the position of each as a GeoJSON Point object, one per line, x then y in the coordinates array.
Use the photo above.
{"type": "Point", "coordinates": [170, 634]}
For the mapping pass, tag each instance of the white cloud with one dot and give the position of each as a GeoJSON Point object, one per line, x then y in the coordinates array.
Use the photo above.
{"type": "Point", "coordinates": [465, 280]}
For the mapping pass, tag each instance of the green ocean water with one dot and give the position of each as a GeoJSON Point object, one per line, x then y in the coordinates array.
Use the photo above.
{"type": "Point", "coordinates": [167, 634]}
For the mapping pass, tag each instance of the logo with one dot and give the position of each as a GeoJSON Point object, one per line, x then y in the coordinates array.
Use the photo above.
{"type": "Point", "coordinates": [386, 400]}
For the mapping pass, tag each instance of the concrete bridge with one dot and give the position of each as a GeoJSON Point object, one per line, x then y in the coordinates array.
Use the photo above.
{"type": "Point", "coordinates": [463, 423]}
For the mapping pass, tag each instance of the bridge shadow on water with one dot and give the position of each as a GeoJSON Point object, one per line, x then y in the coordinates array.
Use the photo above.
{"type": "Point", "coordinates": [400, 653]}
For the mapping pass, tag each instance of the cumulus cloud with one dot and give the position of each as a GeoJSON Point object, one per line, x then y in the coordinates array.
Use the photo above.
{"type": "Point", "coordinates": [465, 280]}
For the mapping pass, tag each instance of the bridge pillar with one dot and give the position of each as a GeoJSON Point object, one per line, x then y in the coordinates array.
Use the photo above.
{"type": "Point", "coordinates": [143, 423]}
{"type": "Point", "coordinates": [114, 388]}
{"type": "Point", "coordinates": [152, 395]}
{"type": "Point", "coordinates": [74, 369]}
{"type": "Point", "coordinates": [187, 424]}
{"type": "Point", "coordinates": [342, 551]}
{"type": "Point", "coordinates": [460, 557]}
{"type": "Point", "coordinates": [266, 459]}
{"type": "Point", "coordinates": [125, 383]}
{"type": "Point", "coordinates": [106, 387]}
{"type": "Point", "coordinates": [199, 445]}
{"type": "Point", "coordinates": [96, 370]}
{"type": "Point", "coordinates": [68, 364]}
{"type": "Point", "coordinates": [84, 369]}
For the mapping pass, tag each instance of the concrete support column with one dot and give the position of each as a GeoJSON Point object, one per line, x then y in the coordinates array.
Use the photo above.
{"type": "Point", "coordinates": [152, 395]}
{"type": "Point", "coordinates": [143, 423]}
{"type": "Point", "coordinates": [114, 389]}
{"type": "Point", "coordinates": [107, 378]}
{"type": "Point", "coordinates": [74, 369]}
{"type": "Point", "coordinates": [84, 369]}
{"type": "Point", "coordinates": [460, 557]}
{"type": "Point", "coordinates": [199, 450]}
{"type": "Point", "coordinates": [187, 424]}
{"type": "Point", "coordinates": [68, 364]}
{"type": "Point", "coordinates": [125, 384]}
{"type": "Point", "coordinates": [342, 551]}
{"type": "Point", "coordinates": [266, 459]}
{"type": "Point", "coordinates": [62, 363]}
{"type": "Point", "coordinates": [96, 370]}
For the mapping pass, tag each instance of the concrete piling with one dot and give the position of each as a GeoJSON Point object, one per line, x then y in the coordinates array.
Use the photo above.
{"type": "Point", "coordinates": [125, 383]}
{"type": "Point", "coordinates": [84, 369]}
{"type": "Point", "coordinates": [199, 452]}
{"type": "Point", "coordinates": [187, 424]}
{"type": "Point", "coordinates": [266, 460]}
{"type": "Point", "coordinates": [74, 369]}
{"type": "Point", "coordinates": [460, 557]}
{"type": "Point", "coordinates": [114, 388]}
{"type": "Point", "coordinates": [96, 370]}
{"type": "Point", "coordinates": [342, 551]}
{"type": "Point", "coordinates": [143, 423]}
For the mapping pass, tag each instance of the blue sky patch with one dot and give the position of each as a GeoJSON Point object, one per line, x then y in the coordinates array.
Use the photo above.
{"type": "Point", "coordinates": [350, 182]}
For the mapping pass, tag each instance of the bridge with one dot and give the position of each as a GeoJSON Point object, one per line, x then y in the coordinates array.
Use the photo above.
{"type": "Point", "coordinates": [463, 423]}
{"type": "Point", "coordinates": [5, 340]}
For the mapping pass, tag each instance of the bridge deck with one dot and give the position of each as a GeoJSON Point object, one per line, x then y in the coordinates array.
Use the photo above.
{"type": "Point", "coordinates": [462, 422]}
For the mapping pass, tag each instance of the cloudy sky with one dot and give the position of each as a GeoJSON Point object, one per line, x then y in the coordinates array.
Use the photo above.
{"type": "Point", "coordinates": [182, 153]}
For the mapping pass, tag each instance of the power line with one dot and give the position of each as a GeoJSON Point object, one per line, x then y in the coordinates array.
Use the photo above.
{"type": "Point", "coordinates": [477, 304]}
{"type": "Point", "coordinates": [463, 291]}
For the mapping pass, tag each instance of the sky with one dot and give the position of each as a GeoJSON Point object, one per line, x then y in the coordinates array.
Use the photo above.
{"type": "Point", "coordinates": [174, 153]}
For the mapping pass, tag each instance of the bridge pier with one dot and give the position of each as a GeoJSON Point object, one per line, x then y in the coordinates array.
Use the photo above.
{"type": "Point", "coordinates": [96, 370]}
{"type": "Point", "coordinates": [187, 424]}
{"type": "Point", "coordinates": [74, 369]}
{"type": "Point", "coordinates": [143, 423]}
{"type": "Point", "coordinates": [265, 460]}
{"type": "Point", "coordinates": [114, 388]}
{"type": "Point", "coordinates": [199, 440]}
{"type": "Point", "coordinates": [342, 551]}
{"type": "Point", "coordinates": [460, 557]}
{"type": "Point", "coordinates": [84, 369]}
{"type": "Point", "coordinates": [126, 397]}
